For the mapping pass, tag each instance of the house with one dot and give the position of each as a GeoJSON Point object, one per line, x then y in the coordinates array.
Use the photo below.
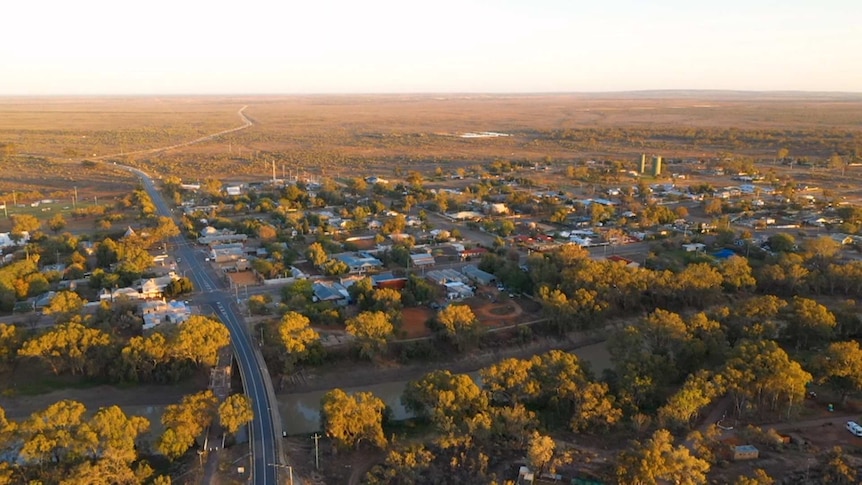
{"type": "Point", "coordinates": [360, 262]}
{"type": "Point", "coordinates": [118, 293]}
{"type": "Point", "coordinates": [44, 299]}
{"type": "Point", "coordinates": [331, 292]}
{"type": "Point", "coordinates": [7, 241]}
{"type": "Point", "coordinates": [626, 261]}
{"type": "Point", "coordinates": [842, 239]}
{"type": "Point", "coordinates": [154, 287]}
{"type": "Point", "coordinates": [694, 247]}
{"type": "Point", "coordinates": [157, 312]}
{"type": "Point", "coordinates": [422, 260]}
{"type": "Point", "coordinates": [745, 452]}
{"type": "Point", "coordinates": [442, 276]}
{"type": "Point", "coordinates": [221, 237]}
{"type": "Point", "coordinates": [233, 190]}
{"type": "Point", "coordinates": [224, 253]}
{"type": "Point", "coordinates": [479, 276]}
{"type": "Point", "coordinates": [498, 209]}
{"type": "Point", "coordinates": [86, 247]}
{"type": "Point", "coordinates": [388, 280]}
{"type": "Point", "coordinates": [465, 216]}
{"type": "Point", "coordinates": [59, 268]}
{"type": "Point", "coordinates": [456, 290]}
{"type": "Point", "coordinates": [467, 254]}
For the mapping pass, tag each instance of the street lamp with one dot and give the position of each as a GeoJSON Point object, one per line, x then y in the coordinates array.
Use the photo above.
{"type": "Point", "coordinates": [289, 470]}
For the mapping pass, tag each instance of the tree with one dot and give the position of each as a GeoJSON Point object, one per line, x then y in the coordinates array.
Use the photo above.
{"type": "Point", "coordinates": [808, 321]}
{"type": "Point", "coordinates": [540, 451]}
{"type": "Point", "coordinates": [372, 330]}
{"type": "Point", "coordinates": [316, 254]}
{"type": "Point", "coordinates": [836, 469]}
{"type": "Point", "coordinates": [184, 422]}
{"type": "Point", "coordinates": [713, 207]}
{"type": "Point", "coordinates": [698, 391]}
{"type": "Point", "coordinates": [67, 347]}
{"type": "Point", "coordinates": [357, 185]}
{"type": "Point", "coordinates": [760, 478]}
{"type": "Point", "coordinates": [405, 465]}
{"type": "Point", "coordinates": [836, 161]}
{"type": "Point", "coordinates": [361, 292]}
{"type": "Point", "coordinates": [142, 355]}
{"type": "Point", "coordinates": [657, 461]}
{"type": "Point", "coordinates": [761, 373]}
{"type": "Point", "coordinates": [415, 179]}
{"type": "Point", "coordinates": [235, 412]}
{"type": "Point", "coordinates": [737, 274]}
{"type": "Point", "coordinates": [821, 250]}
{"type": "Point", "coordinates": [782, 242]}
{"type": "Point", "coordinates": [57, 223]}
{"type": "Point", "coordinates": [350, 419]}
{"type": "Point", "coordinates": [446, 399]}
{"type": "Point", "coordinates": [179, 286]}
{"type": "Point", "coordinates": [459, 325]}
{"type": "Point", "coordinates": [335, 267]}
{"type": "Point", "coordinates": [841, 367]}
{"type": "Point", "coordinates": [24, 223]}
{"type": "Point", "coordinates": [299, 291]}
{"type": "Point", "coordinates": [64, 306]}
{"type": "Point", "coordinates": [115, 434]}
{"type": "Point", "coordinates": [387, 300]}
{"type": "Point", "coordinates": [10, 342]}
{"type": "Point", "coordinates": [297, 336]}
{"type": "Point", "coordinates": [200, 338]}
{"type": "Point", "coordinates": [52, 434]}
{"type": "Point", "coordinates": [259, 304]}
{"type": "Point", "coordinates": [212, 187]}
{"type": "Point", "coordinates": [510, 380]}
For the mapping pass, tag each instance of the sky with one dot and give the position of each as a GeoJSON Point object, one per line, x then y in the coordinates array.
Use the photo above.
{"type": "Point", "coordinates": [101, 47]}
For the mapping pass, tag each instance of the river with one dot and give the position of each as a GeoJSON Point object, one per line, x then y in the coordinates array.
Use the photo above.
{"type": "Point", "coordinates": [300, 412]}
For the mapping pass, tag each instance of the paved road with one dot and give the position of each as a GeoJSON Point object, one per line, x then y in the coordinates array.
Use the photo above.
{"type": "Point", "coordinates": [265, 438]}
{"type": "Point", "coordinates": [265, 429]}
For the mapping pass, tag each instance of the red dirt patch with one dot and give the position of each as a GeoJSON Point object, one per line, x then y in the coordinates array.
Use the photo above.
{"type": "Point", "coordinates": [243, 278]}
{"type": "Point", "coordinates": [492, 314]}
{"type": "Point", "coordinates": [413, 322]}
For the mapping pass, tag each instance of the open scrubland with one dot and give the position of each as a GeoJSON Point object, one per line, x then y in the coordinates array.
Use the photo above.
{"type": "Point", "coordinates": [336, 135]}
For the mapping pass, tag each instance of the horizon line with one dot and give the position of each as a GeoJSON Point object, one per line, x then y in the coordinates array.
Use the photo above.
{"type": "Point", "coordinates": [448, 93]}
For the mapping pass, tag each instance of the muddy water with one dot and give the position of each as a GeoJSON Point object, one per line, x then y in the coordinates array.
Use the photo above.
{"type": "Point", "coordinates": [300, 412]}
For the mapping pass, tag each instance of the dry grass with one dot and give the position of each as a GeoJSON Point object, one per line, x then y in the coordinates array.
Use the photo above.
{"type": "Point", "coordinates": [348, 135]}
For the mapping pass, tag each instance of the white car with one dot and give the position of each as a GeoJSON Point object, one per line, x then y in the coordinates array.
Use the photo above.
{"type": "Point", "coordinates": [853, 427]}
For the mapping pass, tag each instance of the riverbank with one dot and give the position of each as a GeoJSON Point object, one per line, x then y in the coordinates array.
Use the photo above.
{"type": "Point", "coordinates": [355, 374]}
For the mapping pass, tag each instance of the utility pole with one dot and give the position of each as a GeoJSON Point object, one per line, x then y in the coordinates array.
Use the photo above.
{"type": "Point", "coordinates": [75, 200]}
{"type": "Point", "coordinates": [316, 438]}
{"type": "Point", "coordinates": [5, 211]}
{"type": "Point", "coordinates": [289, 470]}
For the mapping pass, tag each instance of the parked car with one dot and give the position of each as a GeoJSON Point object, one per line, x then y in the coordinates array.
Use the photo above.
{"type": "Point", "coordinates": [853, 427]}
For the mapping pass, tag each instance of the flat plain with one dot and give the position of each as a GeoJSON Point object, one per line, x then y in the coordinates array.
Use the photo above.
{"type": "Point", "coordinates": [44, 140]}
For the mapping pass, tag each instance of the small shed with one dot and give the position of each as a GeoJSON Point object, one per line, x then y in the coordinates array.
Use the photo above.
{"type": "Point", "coordinates": [745, 452]}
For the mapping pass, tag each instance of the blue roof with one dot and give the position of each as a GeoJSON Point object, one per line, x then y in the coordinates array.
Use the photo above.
{"type": "Point", "coordinates": [724, 254]}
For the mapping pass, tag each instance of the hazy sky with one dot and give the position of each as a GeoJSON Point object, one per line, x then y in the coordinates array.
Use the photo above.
{"type": "Point", "coordinates": [382, 46]}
